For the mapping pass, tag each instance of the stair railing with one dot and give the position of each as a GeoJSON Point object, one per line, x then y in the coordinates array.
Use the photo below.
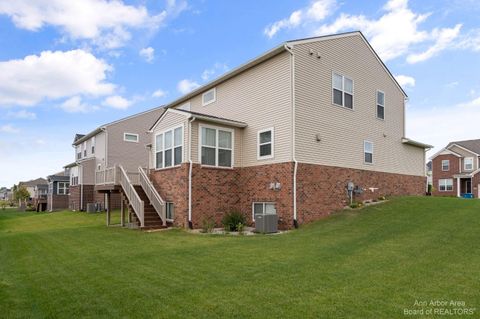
{"type": "Point", "coordinates": [137, 204]}
{"type": "Point", "coordinates": [155, 199]}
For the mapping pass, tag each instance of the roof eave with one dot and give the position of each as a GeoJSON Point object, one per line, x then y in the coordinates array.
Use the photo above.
{"type": "Point", "coordinates": [415, 143]}
{"type": "Point", "coordinates": [89, 135]}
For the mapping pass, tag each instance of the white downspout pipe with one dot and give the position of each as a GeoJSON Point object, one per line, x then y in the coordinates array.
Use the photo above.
{"type": "Point", "coordinates": [295, 167]}
{"type": "Point", "coordinates": [81, 190]}
{"type": "Point", "coordinates": [190, 162]}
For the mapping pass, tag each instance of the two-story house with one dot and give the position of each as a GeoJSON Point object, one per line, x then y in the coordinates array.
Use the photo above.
{"type": "Point", "coordinates": [120, 142]}
{"type": "Point", "coordinates": [58, 190]}
{"type": "Point", "coordinates": [456, 169]}
{"type": "Point", "coordinates": [38, 190]}
{"type": "Point", "coordinates": [285, 133]}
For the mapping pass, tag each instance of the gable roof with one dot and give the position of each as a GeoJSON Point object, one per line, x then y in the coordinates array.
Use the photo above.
{"type": "Point", "coordinates": [273, 52]}
{"type": "Point", "coordinates": [200, 116]}
{"type": "Point", "coordinates": [34, 182]}
{"type": "Point", "coordinates": [104, 126]}
{"type": "Point", "coordinates": [471, 145]}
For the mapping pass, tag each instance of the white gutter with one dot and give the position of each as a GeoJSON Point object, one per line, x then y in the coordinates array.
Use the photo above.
{"type": "Point", "coordinates": [295, 168]}
{"type": "Point", "coordinates": [190, 172]}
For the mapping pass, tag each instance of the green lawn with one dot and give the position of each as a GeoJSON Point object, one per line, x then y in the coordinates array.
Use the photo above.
{"type": "Point", "coordinates": [369, 263]}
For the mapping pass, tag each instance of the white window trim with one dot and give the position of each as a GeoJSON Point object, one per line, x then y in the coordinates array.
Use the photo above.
{"type": "Point", "coordinates": [65, 188]}
{"type": "Point", "coordinates": [216, 146]}
{"type": "Point", "coordinates": [448, 166]}
{"type": "Point", "coordinates": [364, 151]}
{"type": "Point", "coordinates": [444, 184]}
{"type": "Point", "coordinates": [253, 208]}
{"type": "Point", "coordinates": [214, 96]}
{"type": "Point", "coordinates": [377, 104]}
{"type": "Point", "coordinates": [465, 164]}
{"type": "Point", "coordinates": [272, 129]}
{"type": "Point", "coordinates": [343, 91]}
{"type": "Point", "coordinates": [125, 139]}
{"type": "Point", "coordinates": [173, 148]}
{"type": "Point", "coordinates": [166, 205]}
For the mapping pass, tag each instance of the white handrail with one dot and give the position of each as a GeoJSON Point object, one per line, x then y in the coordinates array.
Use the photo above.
{"type": "Point", "coordinates": [137, 204]}
{"type": "Point", "coordinates": [155, 199]}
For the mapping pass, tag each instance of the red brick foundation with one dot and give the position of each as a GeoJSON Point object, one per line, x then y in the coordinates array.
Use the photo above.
{"type": "Point", "coordinates": [90, 196]}
{"type": "Point", "coordinates": [320, 190]}
{"type": "Point", "coordinates": [57, 202]}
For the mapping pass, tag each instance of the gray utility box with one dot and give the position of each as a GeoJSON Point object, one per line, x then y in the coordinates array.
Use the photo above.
{"type": "Point", "coordinates": [91, 208]}
{"type": "Point", "coordinates": [266, 223]}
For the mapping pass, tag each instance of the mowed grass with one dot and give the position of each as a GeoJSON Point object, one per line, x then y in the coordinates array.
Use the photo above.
{"type": "Point", "coordinates": [369, 263]}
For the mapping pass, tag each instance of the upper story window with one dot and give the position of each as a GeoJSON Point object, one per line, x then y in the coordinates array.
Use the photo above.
{"type": "Point", "coordinates": [445, 165]}
{"type": "Point", "coordinates": [168, 148]}
{"type": "Point", "coordinates": [380, 105]}
{"type": "Point", "coordinates": [209, 97]}
{"type": "Point", "coordinates": [93, 145]}
{"type": "Point", "coordinates": [185, 106]}
{"type": "Point", "coordinates": [62, 188]}
{"type": "Point", "coordinates": [468, 163]}
{"type": "Point", "coordinates": [342, 90]}
{"type": "Point", "coordinates": [79, 155]}
{"type": "Point", "coordinates": [368, 152]}
{"type": "Point", "coordinates": [85, 149]}
{"type": "Point", "coordinates": [130, 137]}
{"type": "Point", "coordinates": [216, 146]}
{"type": "Point", "coordinates": [265, 140]}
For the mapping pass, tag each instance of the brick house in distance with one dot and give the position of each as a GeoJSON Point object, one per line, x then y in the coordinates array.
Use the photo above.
{"type": "Point", "coordinates": [58, 190]}
{"type": "Point", "coordinates": [282, 134]}
{"type": "Point", "coordinates": [120, 142]}
{"type": "Point", "coordinates": [456, 170]}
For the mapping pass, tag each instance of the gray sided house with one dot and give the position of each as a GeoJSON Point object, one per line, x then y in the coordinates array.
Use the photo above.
{"type": "Point", "coordinates": [38, 189]}
{"type": "Point", "coordinates": [58, 190]}
{"type": "Point", "coordinates": [119, 143]}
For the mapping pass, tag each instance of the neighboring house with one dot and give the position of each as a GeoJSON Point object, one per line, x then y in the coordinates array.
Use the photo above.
{"type": "Point", "coordinates": [456, 169]}
{"type": "Point", "coordinates": [283, 134]}
{"type": "Point", "coordinates": [38, 189]}
{"type": "Point", "coordinates": [429, 173]}
{"type": "Point", "coordinates": [6, 194]}
{"type": "Point", "coordinates": [58, 190]}
{"type": "Point", "coordinates": [117, 143]}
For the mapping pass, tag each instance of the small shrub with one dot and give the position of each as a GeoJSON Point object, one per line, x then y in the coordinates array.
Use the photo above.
{"type": "Point", "coordinates": [3, 204]}
{"type": "Point", "coordinates": [354, 205]}
{"type": "Point", "coordinates": [208, 224]}
{"type": "Point", "coordinates": [240, 228]}
{"type": "Point", "coordinates": [381, 198]}
{"type": "Point", "coordinates": [231, 220]}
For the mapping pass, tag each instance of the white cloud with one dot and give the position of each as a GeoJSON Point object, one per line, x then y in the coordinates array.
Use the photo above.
{"type": "Point", "coordinates": [148, 54]}
{"type": "Point", "coordinates": [22, 114]}
{"type": "Point", "coordinates": [185, 86]}
{"type": "Point", "coordinates": [405, 80]}
{"type": "Point", "coordinates": [469, 41]}
{"type": "Point", "coordinates": [105, 23]}
{"type": "Point", "coordinates": [52, 75]}
{"type": "Point", "coordinates": [443, 38]}
{"type": "Point", "coordinates": [216, 69]}
{"type": "Point", "coordinates": [74, 105]}
{"type": "Point", "coordinates": [434, 125]}
{"type": "Point", "coordinates": [316, 11]}
{"type": "Point", "coordinates": [9, 128]}
{"type": "Point", "coordinates": [159, 93]}
{"type": "Point", "coordinates": [117, 102]}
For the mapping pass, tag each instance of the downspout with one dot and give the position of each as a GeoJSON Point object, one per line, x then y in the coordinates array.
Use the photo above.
{"type": "Point", "coordinates": [190, 224]}
{"type": "Point", "coordinates": [81, 191]}
{"type": "Point", "coordinates": [295, 166]}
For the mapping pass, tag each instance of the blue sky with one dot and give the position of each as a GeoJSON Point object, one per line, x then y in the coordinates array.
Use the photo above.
{"type": "Point", "coordinates": [66, 67]}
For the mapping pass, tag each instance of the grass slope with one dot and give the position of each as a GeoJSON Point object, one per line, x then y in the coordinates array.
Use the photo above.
{"type": "Point", "coordinates": [369, 263]}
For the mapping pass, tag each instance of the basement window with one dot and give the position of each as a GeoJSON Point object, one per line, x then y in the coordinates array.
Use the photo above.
{"type": "Point", "coordinates": [368, 152]}
{"type": "Point", "coordinates": [342, 88]}
{"type": "Point", "coordinates": [209, 97]}
{"type": "Point", "coordinates": [445, 185]}
{"type": "Point", "coordinates": [169, 211]}
{"type": "Point", "coordinates": [263, 208]}
{"type": "Point", "coordinates": [445, 165]}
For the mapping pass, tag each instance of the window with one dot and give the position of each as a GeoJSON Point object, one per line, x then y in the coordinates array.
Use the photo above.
{"type": "Point", "coordinates": [209, 97]}
{"type": "Point", "coordinates": [169, 211]}
{"type": "Point", "coordinates": [185, 107]}
{"type": "Point", "coordinates": [216, 147]}
{"type": "Point", "coordinates": [342, 90]}
{"type": "Point", "coordinates": [445, 165]}
{"type": "Point", "coordinates": [79, 155]}
{"type": "Point", "coordinates": [93, 145]}
{"type": "Point", "coordinates": [445, 185]}
{"type": "Point", "coordinates": [168, 148]}
{"type": "Point", "coordinates": [468, 163]}
{"type": "Point", "coordinates": [130, 137]}
{"type": "Point", "coordinates": [380, 105]}
{"type": "Point", "coordinates": [263, 209]}
{"type": "Point", "coordinates": [62, 188]}
{"type": "Point", "coordinates": [368, 152]}
{"type": "Point", "coordinates": [265, 141]}
{"type": "Point", "coordinates": [84, 149]}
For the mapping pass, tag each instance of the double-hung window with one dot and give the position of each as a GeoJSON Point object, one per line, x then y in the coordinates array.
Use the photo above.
{"type": "Point", "coordinates": [62, 188]}
{"type": "Point", "coordinates": [84, 149]}
{"type": "Point", "coordinates": [265, 143]}
{"type": "Point", "coordinates": [445, 185]}
{"type": "Point", "coordinates": [93, 145]}
{"type": "Point", "coordinates": [468, 163]}
{"type": "Point", "coordinates": [445, 165]}
{"type": "Point", "coordinates": [380, 105]}
{"type": "Point", "coordinates": [216, 146]}
{"type": "Point", "coordinates": [368, 152]}
{"type": "Point", "coordinates": [263, 209]}
{"type": "Point", "coordinates": [168, 148]}
{"type": "Point", "coordinates": [342, 90]}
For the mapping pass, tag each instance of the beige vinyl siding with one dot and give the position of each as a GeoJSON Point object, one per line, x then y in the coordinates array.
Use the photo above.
{"type": "Point", "coordinates": [261, 98]}
{"type": "Point", "coordinates": [130, 154]}
{"type": "Point", "coordinates": [88, 172]}
{"type": "Point", "coordinates": [100, 149]}
{"type": "Point", "coordinates": [169, 121]}
{"type": "Point", "coordinates": [464, 153]}
{"type": "Point", "coordinates": [342, 131]}
{"type": "Point", "coordinates": [237, 142]}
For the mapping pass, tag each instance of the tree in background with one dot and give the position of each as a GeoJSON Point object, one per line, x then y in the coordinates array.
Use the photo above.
{"type": "Point", "coordinates": [21, 194]}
